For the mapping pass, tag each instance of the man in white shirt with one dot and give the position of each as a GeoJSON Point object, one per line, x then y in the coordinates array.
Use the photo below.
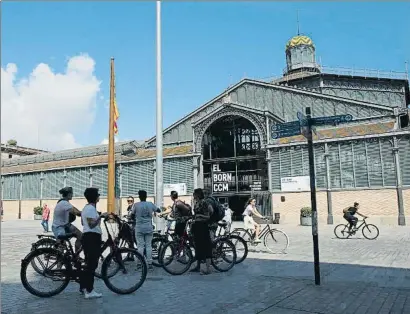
{"type": "Point", "coordinates": [64, 214]}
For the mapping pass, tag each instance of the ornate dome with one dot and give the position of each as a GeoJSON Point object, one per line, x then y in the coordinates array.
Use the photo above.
{"type": "Point", "coordinates": [299, 40]}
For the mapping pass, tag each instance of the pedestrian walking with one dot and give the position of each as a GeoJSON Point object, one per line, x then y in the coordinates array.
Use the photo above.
{"type": "Point", "coordinates": [45, 217]}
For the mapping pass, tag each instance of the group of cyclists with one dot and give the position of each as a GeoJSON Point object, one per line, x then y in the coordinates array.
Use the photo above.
{"type": "Point", "coordinates": [206, 212]}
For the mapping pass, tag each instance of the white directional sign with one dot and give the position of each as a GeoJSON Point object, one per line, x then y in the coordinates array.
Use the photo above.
{"type": "Point", "coordinates": [332, 119]}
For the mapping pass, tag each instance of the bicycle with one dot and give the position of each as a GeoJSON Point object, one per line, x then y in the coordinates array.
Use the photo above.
{"type": "Point", "coordinates": [240, 244]}
{"type": "Point", "coordinates": [125, 237]}
{"type": "Point", "coordinates": [65, 265]}
{"type": "Point", "coordinates": [159, 240]}
{"type": "Point", "coordinates": [267, 234]}
{"type": "Point", "coordinates": [181, 251]}
{"type": "Point", "coordinates": [342, 231]}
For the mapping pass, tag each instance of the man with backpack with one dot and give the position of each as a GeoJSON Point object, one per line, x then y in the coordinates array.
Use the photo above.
{"type": "Point", "coordinates": [217, 215]}
{"type": "Point", "coordinates": [181, 212]}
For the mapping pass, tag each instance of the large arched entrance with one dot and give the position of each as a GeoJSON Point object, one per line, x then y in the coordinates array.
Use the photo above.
{"type": "Point", "coordinates": [234, 164]}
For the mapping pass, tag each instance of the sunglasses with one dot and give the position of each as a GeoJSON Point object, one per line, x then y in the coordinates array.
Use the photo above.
{"type": "Point", "coordinates": [129, 201]}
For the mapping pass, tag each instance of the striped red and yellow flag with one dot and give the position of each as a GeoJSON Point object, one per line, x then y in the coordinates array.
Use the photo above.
{"type": "Point", "coordinates": [116, 116]}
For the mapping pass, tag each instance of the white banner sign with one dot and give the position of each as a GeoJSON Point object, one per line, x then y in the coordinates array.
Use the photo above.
{"type": "Point", "coordinates": [180, 188]}
{"type": "Point", "coordinates": [295, 184]}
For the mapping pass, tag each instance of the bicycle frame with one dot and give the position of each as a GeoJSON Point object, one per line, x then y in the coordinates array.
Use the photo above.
{"type": "Point", "coordinates": [363, 223]}
{"type": "Point", "coordinates": [263, 232]}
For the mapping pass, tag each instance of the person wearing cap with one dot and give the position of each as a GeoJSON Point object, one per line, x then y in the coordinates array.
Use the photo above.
{"type": "Point", "coordinates": [91, 241]}
{"type": "Point", "coordinates": [64, 214]}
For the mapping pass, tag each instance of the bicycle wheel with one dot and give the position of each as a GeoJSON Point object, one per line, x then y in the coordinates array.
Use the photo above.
{"type": "Point", "coordinates": [157, 245]}
{"type": "Point", "coordinates": [112, 269]}
{"type": "Point", "coordinates": [54, 267]}
{"type": "Point", "coordinates": [276, 241]}
{"type": "Point", "coordinates": [125, 271]}
{"type": "Point", "coordinates": [223, 253]}
{"type": "Point", "coordinates": [42, 243]}
{"type": "Point", "coordinates": [175, 252]}
{"type": "Point", "coordinates": [243, 233]}
{"type": "Point", "coordinates": [341, 231]}
{"type": "Point", "coordinates": [370, 232]}
{"type": "Point", "coordinates": [241, 247]}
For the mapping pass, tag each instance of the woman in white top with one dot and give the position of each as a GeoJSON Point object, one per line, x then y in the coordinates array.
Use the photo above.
{"type": "Point", "coordinates": [91, 241]}
{"type": "Point", "coordinates": [249, 211]}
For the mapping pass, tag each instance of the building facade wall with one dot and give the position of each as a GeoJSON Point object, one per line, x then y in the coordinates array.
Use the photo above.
{"type": "Point", "coordinates": [379, 204]}
{"type": "Point", "coordinates": [361, 171]}
{"type": "Point", "coordinates": [22, 192]}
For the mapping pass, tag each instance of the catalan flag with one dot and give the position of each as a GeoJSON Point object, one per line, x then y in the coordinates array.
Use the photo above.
{"type": "Point", "coordinates": [116, 116]}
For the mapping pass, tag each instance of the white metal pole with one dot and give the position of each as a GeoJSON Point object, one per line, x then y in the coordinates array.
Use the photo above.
{"type": "Point", "coordinates": [159, 195]}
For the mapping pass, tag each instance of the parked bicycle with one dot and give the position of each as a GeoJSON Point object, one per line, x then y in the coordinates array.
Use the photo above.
{"type": "Point", "coordinates": [274, 240]}
{"type": "Point", "coordinates": [369, 231]}
{"type": "Point", "coordinates": [180, 251]}
{"type": "Point", "coordinates": [240, 244]}
{"type": "Point", "coordinates": [124, 238]}
{"type": "Point", "coordinates": [159, 240]}
{"type": "Point", "coordinates": [63, 265]}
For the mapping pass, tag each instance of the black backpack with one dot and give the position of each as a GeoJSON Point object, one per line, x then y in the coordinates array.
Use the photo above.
{"type": "Point", "coordinates": [184, 209]}
{"type": "Point", "coordinates": [219, 211]}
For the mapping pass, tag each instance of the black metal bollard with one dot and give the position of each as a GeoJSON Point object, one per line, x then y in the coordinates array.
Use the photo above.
{"type": "Point", "coordinates": [277, 218]}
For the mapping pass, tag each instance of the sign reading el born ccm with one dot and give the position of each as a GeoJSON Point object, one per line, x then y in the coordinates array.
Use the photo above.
{"type": "Point", "coordinates": [220, 180]}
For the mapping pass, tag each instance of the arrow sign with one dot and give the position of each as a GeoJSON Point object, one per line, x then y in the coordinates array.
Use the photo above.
{"type": "Point", "coordinates": [285, 133]}
{"type": "Point", "coordinates": [332, 120]}
{"type": "Point", "coordinates": [285, 126]}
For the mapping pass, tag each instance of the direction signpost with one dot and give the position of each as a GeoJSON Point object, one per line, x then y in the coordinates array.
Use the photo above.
{"type": "Point", "coordinates": [305, 125]}
{"type": "Point", "coordinates": [285, 129]}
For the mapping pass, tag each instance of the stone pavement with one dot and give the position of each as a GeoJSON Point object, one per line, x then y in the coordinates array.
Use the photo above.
{"type": "Point", "coordinates": [358, 276]}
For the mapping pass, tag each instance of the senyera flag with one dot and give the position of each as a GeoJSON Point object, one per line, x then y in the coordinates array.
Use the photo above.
{"type": "Point", "coordinates": [116, 116]}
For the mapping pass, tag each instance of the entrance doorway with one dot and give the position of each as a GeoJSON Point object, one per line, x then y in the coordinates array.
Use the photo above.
{"type": "Point", "coordinates": [234, 163]}
{"type": "Point", "coordinates": [237, 203]}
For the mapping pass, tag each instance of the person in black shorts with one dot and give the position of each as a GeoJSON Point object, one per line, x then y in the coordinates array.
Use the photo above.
{"type": "Point", "coordinates": [349, 212]}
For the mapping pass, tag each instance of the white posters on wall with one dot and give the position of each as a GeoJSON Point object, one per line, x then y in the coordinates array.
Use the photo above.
{"type": "Point", "coordinates": [295, 184]}
{"type": "Point", "coordinates": [178, 187]}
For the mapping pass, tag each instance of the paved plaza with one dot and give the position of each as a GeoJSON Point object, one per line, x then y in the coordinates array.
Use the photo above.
{"type": "Point", "coordinates": [358, 276]}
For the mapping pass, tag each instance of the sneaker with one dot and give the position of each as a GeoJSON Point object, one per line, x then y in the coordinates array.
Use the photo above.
{"type": "Point", "coordinates": [92, 295]}
{"type": "Point", "coordinates": [257, 241]}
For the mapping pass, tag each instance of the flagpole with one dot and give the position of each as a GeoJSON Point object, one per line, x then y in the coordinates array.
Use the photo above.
{"type": "Point", "coordinates": [159, 195]}
{"type": "Point", "coordinates": [111, 156]}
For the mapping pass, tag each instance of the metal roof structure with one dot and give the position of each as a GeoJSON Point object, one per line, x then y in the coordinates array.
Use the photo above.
{"type": "Point", "coordinates": [89, 151]}
{"type": "Point", "coordinates": [21, 150]}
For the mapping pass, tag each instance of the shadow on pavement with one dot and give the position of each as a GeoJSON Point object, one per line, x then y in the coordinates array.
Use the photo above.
{"type": "Point", "coordinates": [255, 286]}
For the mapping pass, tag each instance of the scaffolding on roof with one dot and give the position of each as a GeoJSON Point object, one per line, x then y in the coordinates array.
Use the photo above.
{"type": "Point", "coordinates": [88, 151]}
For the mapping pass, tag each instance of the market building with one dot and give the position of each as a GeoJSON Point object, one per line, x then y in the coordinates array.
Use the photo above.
{"type": "Point", "coordinates": [226, 147]}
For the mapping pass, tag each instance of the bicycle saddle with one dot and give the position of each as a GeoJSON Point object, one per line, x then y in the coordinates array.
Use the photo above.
{"type": "Point", "coordinates": [66, 236]}
{"type": "Point", "coordinates": [40, 236]}
{"type": "Point", "coordinates": [222, 223]}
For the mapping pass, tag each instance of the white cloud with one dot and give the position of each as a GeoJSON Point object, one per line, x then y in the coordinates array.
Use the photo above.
{"type": "Point", "coordinates": [47, 109]}
{"type": "Point", "coordinates": [105, 141]}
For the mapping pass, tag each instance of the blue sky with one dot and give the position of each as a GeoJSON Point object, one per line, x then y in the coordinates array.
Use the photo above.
{"type": "Point", "coordinates": [206, 47]}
